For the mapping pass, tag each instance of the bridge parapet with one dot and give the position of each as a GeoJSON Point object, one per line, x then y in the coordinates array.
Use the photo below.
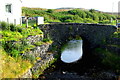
{"type": "Point", "coordinates": [94, 34]}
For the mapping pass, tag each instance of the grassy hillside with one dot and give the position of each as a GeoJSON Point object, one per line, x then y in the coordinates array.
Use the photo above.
{"type": "Point", "coordinates": [70, 15]}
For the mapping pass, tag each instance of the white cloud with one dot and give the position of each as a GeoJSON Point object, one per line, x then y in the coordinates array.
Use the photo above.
{"type": "Point", "coordinates": [102, 5]}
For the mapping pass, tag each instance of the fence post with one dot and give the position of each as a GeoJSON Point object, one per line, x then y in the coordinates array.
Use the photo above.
{"type": "Point", "coordinates": [116, 22]}
{"type": "Point", "coordinates": [27, 22]}
{"type": "Point", "coordinates": [21, 21]}
{"type": "Point", "coordinates": [14, 21]}
{"type": "Point", "coordinates": [7, 20]}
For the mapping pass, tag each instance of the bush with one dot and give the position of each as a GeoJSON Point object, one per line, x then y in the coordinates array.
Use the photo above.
{"type": "Point", "coordinates": [4, 26]}
{"type": "Point", "coordinates": [19, 29]}
{"type": "Point", "coordinates": [88, 20]}
{"type": "Point", "coordinates": [14, 53]}
{"type": "Point", "coordinates": [13, 27]}
{"type": "Point", "coordinates": [79, 12]}
{"type": "Point", "coordinates": [50, 11]}
{"type": "Point", "coordinates": [66, 17]}
{"type": "Point", "coordinates": [67, 20]}
{"type": "Point", "coordinates": [105, 22]}
{"type": "Point", "coordinates": [47, 40]}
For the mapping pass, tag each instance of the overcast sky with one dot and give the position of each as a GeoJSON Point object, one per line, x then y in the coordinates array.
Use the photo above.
{"type": "Point", "coordinates": [101, 5]}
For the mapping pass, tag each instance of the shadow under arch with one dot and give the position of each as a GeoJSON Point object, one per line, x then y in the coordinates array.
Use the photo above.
{"type": "Point", "coordinates": [80, 66]}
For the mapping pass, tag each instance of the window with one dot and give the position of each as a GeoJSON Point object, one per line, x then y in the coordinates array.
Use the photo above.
{"type": "Point", "coordinates": [8, 8]}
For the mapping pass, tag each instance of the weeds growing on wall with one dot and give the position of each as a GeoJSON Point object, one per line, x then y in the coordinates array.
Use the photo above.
{"type": "Point", "coordinates": [108, 59]}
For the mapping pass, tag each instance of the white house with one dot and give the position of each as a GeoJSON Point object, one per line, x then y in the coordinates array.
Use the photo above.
{"type": "Point", "coordinates": [10, 11]}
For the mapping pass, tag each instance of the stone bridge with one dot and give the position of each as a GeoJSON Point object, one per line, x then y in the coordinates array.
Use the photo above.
{"type": "Point", "coordinates": [92, 34]}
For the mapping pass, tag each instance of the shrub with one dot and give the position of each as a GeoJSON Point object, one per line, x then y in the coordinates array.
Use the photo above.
{"type": "Point", "coordinates": [13, 27]}
{"type": "Point", "coordinates": [4, 26]}
{"type": "Point", "coordinates": [19, 29]}
{"type": "Point", "coordinates": [67, 20]}
{"type": "Point", "coordinates": [88, 20]}
{"type": "Point", "coordinates": [14, 53]}
{"type": "Point", "coordinates": [47, 40]}
{"type": "Point", "coordinates": [92, 10]}
{"type": "Point", "coordinates": [50, 10]}
{"type": "Point", "coordinates": [104, 22]}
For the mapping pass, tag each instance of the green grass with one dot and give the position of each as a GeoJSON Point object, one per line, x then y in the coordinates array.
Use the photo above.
{"type": "Point", "coordinates": [31, 32]}
{"type": "Point", "coordinates": [49, 41]}
{"type": "Point", "coordinates": [11, 67]}
{"type": "Point", "coordinates": [116, 34]}
{"type": "Point", "coordinates": [109, 59]}
{"type": "Point", "coordinates": [39, 43]}
{"type": "Point", "coordinates": [12, 64]}
{"type": "Point", "coordinates": [10, 35]}
{"type": "Point", "coordinates": [13, 40]}
{"type": "Point", "coordinates": [118, 46]}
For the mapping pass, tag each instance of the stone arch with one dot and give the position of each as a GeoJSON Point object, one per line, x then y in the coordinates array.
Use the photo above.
{"type": "Point", "coordinates": [92, 35]}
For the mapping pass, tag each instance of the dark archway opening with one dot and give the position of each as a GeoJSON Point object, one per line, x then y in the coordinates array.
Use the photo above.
{"type": "Point", "coordinates": [83, 65]}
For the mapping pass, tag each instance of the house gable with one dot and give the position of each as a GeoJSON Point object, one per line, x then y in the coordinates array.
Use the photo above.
{"type": "Point", "coordinates": [10, 11]}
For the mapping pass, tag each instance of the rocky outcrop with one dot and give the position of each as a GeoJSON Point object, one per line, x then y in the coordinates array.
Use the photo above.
{"type": "Point", "coordinates": [33, 39]}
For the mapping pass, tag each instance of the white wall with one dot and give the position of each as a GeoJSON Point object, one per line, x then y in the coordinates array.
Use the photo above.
{"type": "Point", "coordinates": [15, 15]}
{"type": "Point", "coordinates": [40, 20]}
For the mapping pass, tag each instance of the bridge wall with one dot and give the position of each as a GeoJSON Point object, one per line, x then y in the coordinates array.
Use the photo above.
{"type": "Point", "coordinates": [93, 34]}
